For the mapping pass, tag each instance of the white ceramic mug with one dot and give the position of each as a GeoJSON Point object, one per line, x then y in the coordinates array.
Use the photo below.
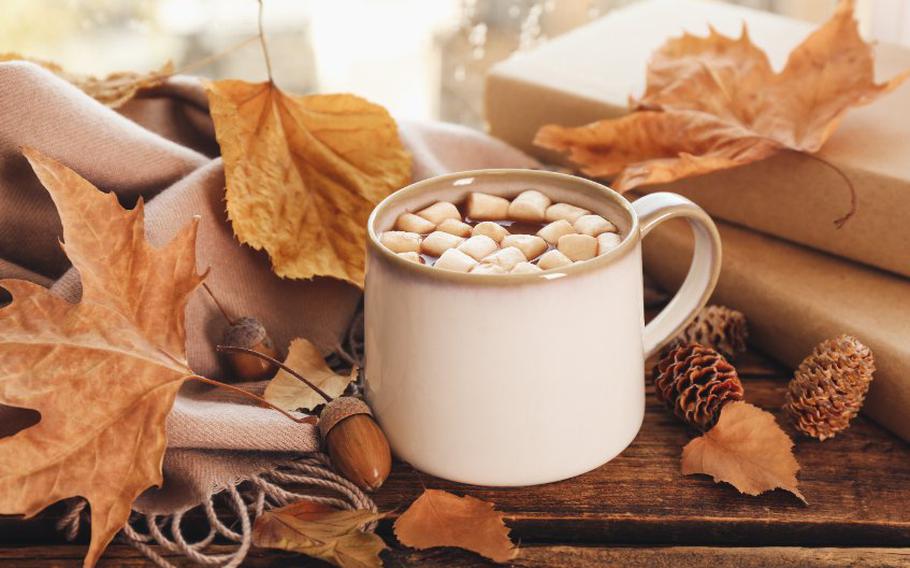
{"type": "Point", "coordinates": [520, 379]}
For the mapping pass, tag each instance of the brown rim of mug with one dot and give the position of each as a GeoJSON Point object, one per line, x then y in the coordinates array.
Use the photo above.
{"type": "Point", "coordinates": [627, 244]}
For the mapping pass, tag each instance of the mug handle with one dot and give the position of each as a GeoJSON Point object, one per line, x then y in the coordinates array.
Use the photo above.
{"type": "Point", "coordinates": [692, 296]}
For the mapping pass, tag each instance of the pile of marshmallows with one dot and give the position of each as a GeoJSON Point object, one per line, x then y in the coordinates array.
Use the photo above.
{"type": "Point", "coordinates": [488, 247]}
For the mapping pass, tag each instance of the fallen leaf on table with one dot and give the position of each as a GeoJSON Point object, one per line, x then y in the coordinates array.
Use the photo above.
{"type": "Point", "coordinates": [715, 102]}
{"type": "Point", "coordinates": [747, 449]}
{"type": "Point", "coordinates": [304, 172]}
{"type": "Point", "coordinates": [112, 90]}
{"type": "Point", "coordinates": [103, 373]}
{"type": "Point", "coordinates": [321, 532]}
{"type": "Point", "coordinates": [284, 391]}
{"type": "Point", "coordinates": [439, 518]}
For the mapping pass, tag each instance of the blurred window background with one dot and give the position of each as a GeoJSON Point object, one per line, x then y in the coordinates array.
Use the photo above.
{"type": "Point", "coordinates": [422, 59]}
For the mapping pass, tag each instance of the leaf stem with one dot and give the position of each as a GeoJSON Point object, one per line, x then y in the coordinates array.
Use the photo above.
{"type": "Point", "coordinates": [257, 398]}
{"type": "Point", "coordinates": [221, 309]}
{"type": "Point", "coordinates": [265, 48]}
{"type": "Point", "coordinates": [213, 57]}
{"type": "Point", "coordinates": [276, 362]}
{"type": "Point", "coordinates": [839, 222]}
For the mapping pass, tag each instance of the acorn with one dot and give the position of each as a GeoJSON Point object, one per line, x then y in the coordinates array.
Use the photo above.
{"type": "Point", "coordinates": [249, 333]}
{"type": "Point", "coordinates": [356, 444]}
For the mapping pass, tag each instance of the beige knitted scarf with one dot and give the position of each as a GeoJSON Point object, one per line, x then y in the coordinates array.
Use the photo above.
{"type": "Point", "coordinates": [161, 147]}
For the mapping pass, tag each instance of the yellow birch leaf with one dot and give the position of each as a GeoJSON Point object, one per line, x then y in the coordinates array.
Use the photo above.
{"type": "Point", "coordinates": [439, 518]}
{"type": "Point", "coordinates": [321, 532]}
{"type": "Point", "coordinates": [747, 449]}
{"type": "Point", "coordinates": [304, 172]}
{"type": "Point", "coordinates": [285, 391]}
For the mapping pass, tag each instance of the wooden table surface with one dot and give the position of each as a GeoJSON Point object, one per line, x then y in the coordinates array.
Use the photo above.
{"type": "Point", "coordinates": [638, 510]}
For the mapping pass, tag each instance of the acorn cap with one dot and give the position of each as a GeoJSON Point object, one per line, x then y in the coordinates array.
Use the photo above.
{"type": "Point", "coordinates": [246, 332]}
{"type": "Point", "coordinates": [339, 409]}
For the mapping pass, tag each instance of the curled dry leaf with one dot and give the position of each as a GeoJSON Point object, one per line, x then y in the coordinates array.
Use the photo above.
{"type": "Point", "coordinates": [304, 172]}
{"type": "Point", "coordinates": [321, 532]}
{"type": "Point", "coordinates": [285, 391]}
{"type": "Point", "coordinates": [747, 449]}
{"type": "Point", "coordinates": [715, 102]}
{"type": "Point", "coordinates": [103, 373]}
{"type": "Point", "coordinates": [438, 518]}
{"type": "Point", "coordinates": [112, 90]}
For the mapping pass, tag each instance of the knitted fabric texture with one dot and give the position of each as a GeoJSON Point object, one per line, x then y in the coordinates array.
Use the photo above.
{"type": "Point", "coordinates": [161, 148]}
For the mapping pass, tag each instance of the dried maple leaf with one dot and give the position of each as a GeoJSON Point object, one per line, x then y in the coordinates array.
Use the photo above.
{"type": "Point", "coordinates": [438, 518]}
{"type": "Point", "coordinates": [304, 172]}
{"type": "Point", "coordinates": [103, 373]}
{"type": "Point", "coordinates": [285, 391]}
{"type": "Point", "coordinates": [715, 102]}
{"type": "Point", "coordinates": [322, 532]}
{"type": "Point", "coordinates": [112, 90]}
{"type": "Point", "coordinates": [747, 449]}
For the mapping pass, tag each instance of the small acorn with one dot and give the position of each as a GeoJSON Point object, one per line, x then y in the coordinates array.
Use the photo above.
{"type": "Point", "coordinates": [249, 333]}
{"type": "Point", "coordinates": [356, 444]}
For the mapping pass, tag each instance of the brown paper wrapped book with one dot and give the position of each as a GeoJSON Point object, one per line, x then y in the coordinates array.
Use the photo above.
{"type": "Point", "coordinates": [588, 75]}
{"type": "Point", "coordinates": [795, 297]}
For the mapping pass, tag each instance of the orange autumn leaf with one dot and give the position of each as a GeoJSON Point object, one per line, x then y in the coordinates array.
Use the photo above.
{"type": "Point", "coordinates": [304, 172]}
{"type": "Point", "coordinates": [113, 90]}
{"type": "Point", "coordinates": [747, 449]}
{"type": "Point", "coordinates": [438, 518]}
{"type": "Point", "coordinates": [714, 102]}
{"type": "Point", "coordinates": [320, 531]}
{"type": "Point", "coordinates": [102, 373]}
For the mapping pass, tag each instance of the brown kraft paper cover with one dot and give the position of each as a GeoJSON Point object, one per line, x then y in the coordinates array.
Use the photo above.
{"type": "Point", "coordinates": [588, 74]}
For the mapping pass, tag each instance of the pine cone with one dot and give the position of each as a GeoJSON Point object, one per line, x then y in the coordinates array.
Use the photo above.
{"type": "Point", "coordinates": [717, 327]}
{"type": "Point", "coordinates": [695, 382]}
{"type": "Point", "coordinates": [828, 388]}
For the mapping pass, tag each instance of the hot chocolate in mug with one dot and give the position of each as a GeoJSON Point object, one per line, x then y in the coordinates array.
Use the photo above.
{"type": "Point", "coordinates": [520, 379]}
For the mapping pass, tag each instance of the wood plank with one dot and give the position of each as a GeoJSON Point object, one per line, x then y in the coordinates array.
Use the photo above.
{"type": "Point", "coordinates": [858, 487]}
{"type": "Point", "coordinates": [556, 556]}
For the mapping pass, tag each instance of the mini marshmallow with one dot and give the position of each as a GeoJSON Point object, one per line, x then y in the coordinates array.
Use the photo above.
{"type": "Point", "coordinates": [593, 225]}
{"type": "Point", "coordinates": [411, 256]}
{"type": "Point", "coordinates": [525, 268]}
{"type": "Point", "coordinates": [493, 230]}
{"type": "Point", "coordinates": [455, 227]}
{"type": "Point", "coordinates": [554, 230]}
{"type": "Point", "coordinates": [531, 246]}
{"type": "Point", "coordinates": [483, 206]}
{"type": "Point", "coordinates": [439, 212]}
{"type": "Point", "coordinates": [414, 224]}
{"type": "Point", "coordinates": [400, 241]}
{"type": "Point", "coordinates": [488, 268]}
{"type": "Point", "coordinates": [478, 246]}
{"type": "Point", "coordinates": [507, 257]}
{"type": "Point", "coordinates": [553, 259]}
{"type": "Point", "coordinates": [578, 247]}
{"type": "Point", "coordinates": [438, 242]}
{"type": "Point", "coordinates": [454, 259]}
{"type": "Point", "coordinates": [607, 242]}
{"type": "Point", "coordinates": [565, 211]}
{"type": "Point", "coordinates": [530, 206]}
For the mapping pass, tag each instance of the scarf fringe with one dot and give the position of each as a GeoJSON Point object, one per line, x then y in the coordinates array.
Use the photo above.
{"type": "Point", "coordinates": [245, 503]}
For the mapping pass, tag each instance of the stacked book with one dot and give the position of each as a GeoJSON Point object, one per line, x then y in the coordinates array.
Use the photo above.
{"type": "Point", "coordinates": [798, 278]}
